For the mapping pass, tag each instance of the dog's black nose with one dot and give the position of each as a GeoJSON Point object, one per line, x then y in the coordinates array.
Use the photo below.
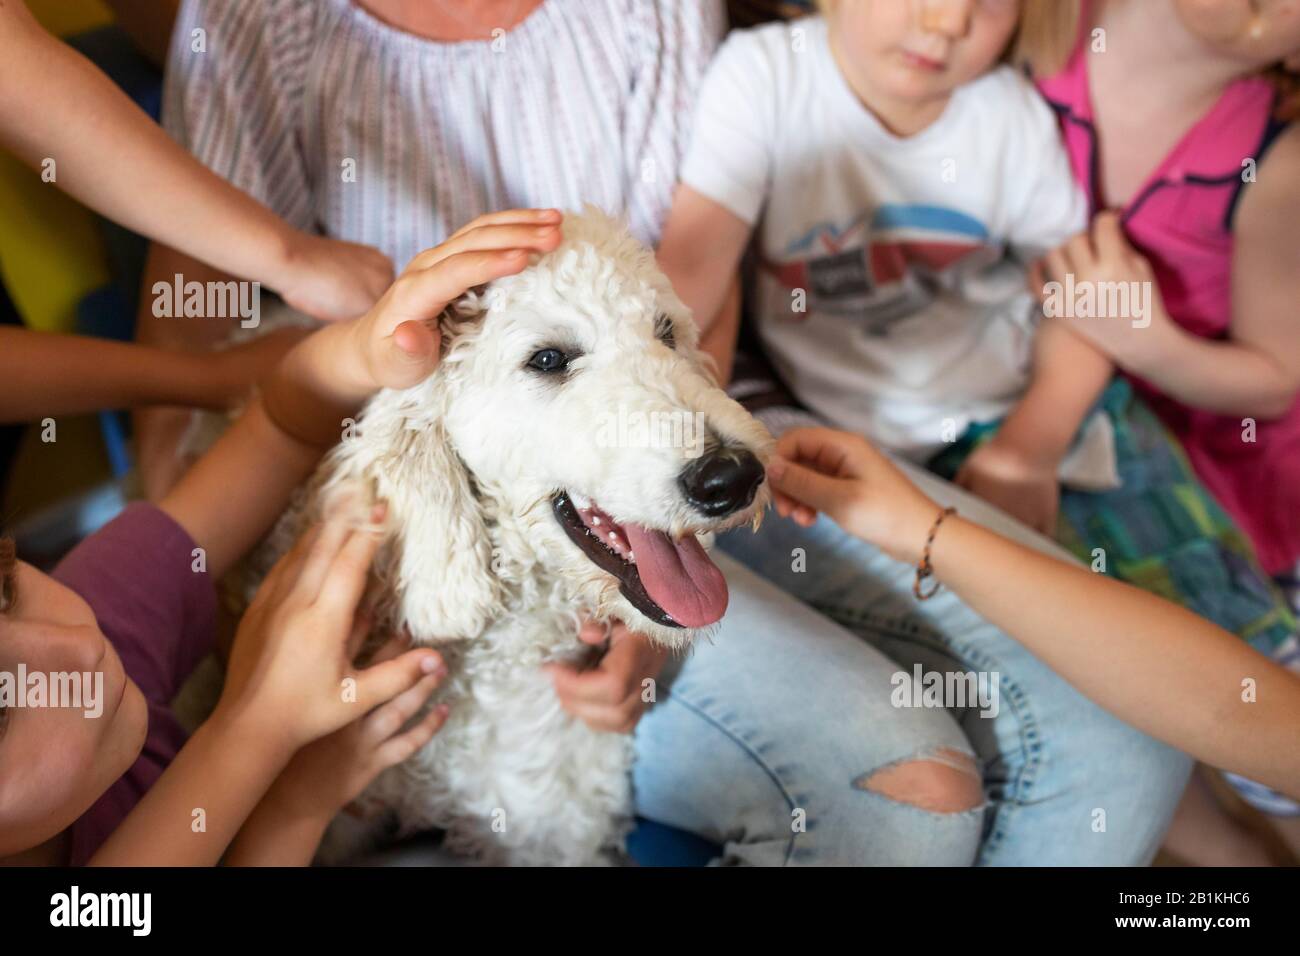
{"type": "Point", "coordinates": [722, 482]}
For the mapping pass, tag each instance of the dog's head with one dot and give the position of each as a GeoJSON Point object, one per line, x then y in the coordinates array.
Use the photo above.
{"type": "Point", "coordinates": [573, 432]}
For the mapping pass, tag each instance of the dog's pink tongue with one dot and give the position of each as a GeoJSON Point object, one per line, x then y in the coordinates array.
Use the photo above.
{"type": "Point", "coordinates": [679, 576]}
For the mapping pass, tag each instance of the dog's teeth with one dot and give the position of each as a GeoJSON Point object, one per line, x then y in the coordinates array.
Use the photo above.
{"type": "Point", "coordinates": [595, 519]}
{"type": "Point", "coordinates": [631, 557]}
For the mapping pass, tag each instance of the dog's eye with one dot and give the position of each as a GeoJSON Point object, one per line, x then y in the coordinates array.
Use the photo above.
{"type": "Point", "coordinates": [549, 360]}
{"type": "Point", "coordinates": [664, 331]}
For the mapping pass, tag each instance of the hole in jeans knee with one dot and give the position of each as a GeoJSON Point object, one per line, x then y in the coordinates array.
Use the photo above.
{"type": "Point", "coordinates": [946, 781]}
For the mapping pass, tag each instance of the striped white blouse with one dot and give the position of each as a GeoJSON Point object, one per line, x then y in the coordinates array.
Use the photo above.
{"type": "Point", "coordinates": [350, 127]}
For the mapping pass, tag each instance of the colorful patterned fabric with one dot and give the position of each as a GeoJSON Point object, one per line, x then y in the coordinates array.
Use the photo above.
{"type": "Point", "coordinates": [1162, 530]}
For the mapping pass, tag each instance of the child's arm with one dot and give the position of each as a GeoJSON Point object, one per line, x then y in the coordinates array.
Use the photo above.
{"type": "Point", "coordinates": [285, 687]}
{"type": "Point", "coordinates": [1153, 664]}
{"type": "Point", "coordinates": [297, 641]}
{"type": "Point", "coordinates": [1256, 371]}
{"type": "Point", "coordinates": [1017, 468]}
{"type": "Point", "coordinates": [55, 106]}
{"type": "Point", "coordinates": [700, 253]}
{"type": "Point", "coordinates": [52, 375]}
{"type": "Point", "coordinates": [324, 777]}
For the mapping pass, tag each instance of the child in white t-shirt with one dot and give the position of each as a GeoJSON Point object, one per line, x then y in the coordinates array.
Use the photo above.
{"type": "Point", "coordinates": [898, 178]}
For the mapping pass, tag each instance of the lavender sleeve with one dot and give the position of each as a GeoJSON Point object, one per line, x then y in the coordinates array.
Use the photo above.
{"type": "Point", "coordinates": [137, 574]}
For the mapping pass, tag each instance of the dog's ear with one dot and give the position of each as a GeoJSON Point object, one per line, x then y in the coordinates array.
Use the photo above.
{"type": "Point", "coordinates": [440, 554]}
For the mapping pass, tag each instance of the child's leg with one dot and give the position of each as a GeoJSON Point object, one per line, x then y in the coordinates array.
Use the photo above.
{"type": "Point", "coordinates": [1068, 783]}
{"type": "Point", "coordinates": [778, 742]}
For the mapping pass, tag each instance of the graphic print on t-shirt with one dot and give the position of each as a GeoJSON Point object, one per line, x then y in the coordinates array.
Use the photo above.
{"type": "Point", "coordinates": [883, 266]}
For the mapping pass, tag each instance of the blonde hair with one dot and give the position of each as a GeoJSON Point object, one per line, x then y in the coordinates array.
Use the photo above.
{"type": "Point", "coordinates": [1288, 92]}
{"type": "Point", "coordinates": [1047, 35]}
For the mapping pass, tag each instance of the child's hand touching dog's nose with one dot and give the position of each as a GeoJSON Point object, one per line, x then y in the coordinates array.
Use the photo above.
{"type": "Point", "coordinates": [844, 476]}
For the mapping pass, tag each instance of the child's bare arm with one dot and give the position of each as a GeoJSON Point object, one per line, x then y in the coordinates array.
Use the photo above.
{"type": "Point", "coordinates": [1153, 664]}
{"type": "Point", "coordinates": [1017, 468]}
{"type": "Point", "coordinates": [700, 252]}
{"type": "Point", "coordinates": [55, 106]}
{"type": "Point", "coordinates": [719, 340]}
{"type": "Point", "coordinates": [47, 375]}
{"type": "Point", "coordinates": [1255, 371]}
{"type": "Point", "coordinates": [297, 641]}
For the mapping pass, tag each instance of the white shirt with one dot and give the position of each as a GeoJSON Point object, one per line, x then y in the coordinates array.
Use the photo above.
{"type": "Point", "coordinates": [345, 125]}
{"type": "Point", "coordinates": [906, 254]}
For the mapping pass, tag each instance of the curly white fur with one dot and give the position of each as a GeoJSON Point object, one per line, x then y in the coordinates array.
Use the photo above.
{"type": "Point", "coordinates": [476, 562]}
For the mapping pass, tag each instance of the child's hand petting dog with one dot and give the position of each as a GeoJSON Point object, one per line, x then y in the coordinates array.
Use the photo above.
{"type": "Point", "coordinates": [397, 342]}
{"type": "Point", "coordinates": [612, 696]}
{"type": "Point", "coordinates": [844, 476]}
{"type": "Point", "coordinates": [289, 822]}
{"type": "Point", "coordinates": [325, 776]}
{"type": "Point", "coordinates": [291, 678]}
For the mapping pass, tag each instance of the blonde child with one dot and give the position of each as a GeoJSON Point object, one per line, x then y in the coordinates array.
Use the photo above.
{"type": "Point", "coordinates": [898, 177]}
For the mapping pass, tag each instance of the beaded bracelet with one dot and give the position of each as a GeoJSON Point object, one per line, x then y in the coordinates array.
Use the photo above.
{"type": "Point", "coordinates": [925, 569]}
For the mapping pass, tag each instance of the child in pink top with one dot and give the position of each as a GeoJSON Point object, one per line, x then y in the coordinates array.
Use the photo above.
{"type": "Point", "coordinates": [1177, 117]}
{"type": "Point", "coordinates": [1216, 220]}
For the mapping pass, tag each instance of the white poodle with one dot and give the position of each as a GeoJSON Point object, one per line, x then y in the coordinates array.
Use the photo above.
{"type": "Point", "coordinates": [566, 458]}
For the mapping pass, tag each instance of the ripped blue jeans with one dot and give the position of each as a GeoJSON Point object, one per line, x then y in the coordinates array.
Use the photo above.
{"type": "Point", "coordinates": [763, 740]}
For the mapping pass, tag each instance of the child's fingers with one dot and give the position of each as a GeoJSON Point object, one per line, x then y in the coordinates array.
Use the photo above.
{"type": "Point", "coordinates": [284, 575]}
{"type": "Point", "coordinates": [520, 222]}
{"type": "Point", "coordinates": [345, 580]}
{"type": "Point", "coordinates": [393, 645]}
{"type": "Point", "coordinates": [424, 293]}
{"type": "Point", "coordinates": [406, 744]}
{"type": "Point", "coordinates": [807, 487]}
{"type": "Point", "coordinates": [382, 682]}
{"type": "Point", "coordinates": [538, 237]}
{"type": "Point", "coordinates": [362, 623]}
{"type": "Point", "coordinates": [1057, 265]}
{"type": "Point", "coordinates": [388, 719]}
{"type": "Point", "coordinates": [505, 216]}
{"type": "Point", "coordinates": [316, 563]}
{"type": "Point", "coordinates": [594, 633]}
{"type": "Point", "coordinates": [1108, 237]}
{"type": "Point", "coordinates": [598, 686]}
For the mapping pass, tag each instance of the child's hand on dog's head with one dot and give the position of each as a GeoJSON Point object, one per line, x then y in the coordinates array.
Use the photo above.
{"type": "Point", "coordinates": [291, 677]}
{"type": "Point", "coordinates": [397, 341]}
{"type": "Point", "coordinates": [610, 697]}
{"type": "Point", "coordinates": [844, 476]}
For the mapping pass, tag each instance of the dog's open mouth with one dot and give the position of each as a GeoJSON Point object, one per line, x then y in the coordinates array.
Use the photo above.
{"type": "Point", "coordinates": [672, 582]}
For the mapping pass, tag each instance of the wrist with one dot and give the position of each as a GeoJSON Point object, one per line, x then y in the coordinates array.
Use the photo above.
{"type": "Point", "coordinates": [257, 739]}
{"type": "Point", "coordinates": [303, 806]}
{"type": "Point", "coordinates": [905, 538]}
{"type": "Point", "coordinates": [288, 253]}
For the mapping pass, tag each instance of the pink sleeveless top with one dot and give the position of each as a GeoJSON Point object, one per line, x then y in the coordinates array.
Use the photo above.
{"type": "Point", "coordinates": [1182, 221]}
